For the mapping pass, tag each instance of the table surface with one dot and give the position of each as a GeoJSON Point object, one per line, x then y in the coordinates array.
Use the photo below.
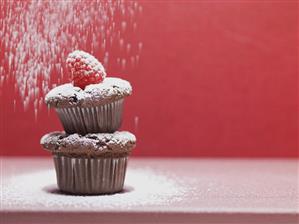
{"type": "Point", "coordinates": [158, 191]}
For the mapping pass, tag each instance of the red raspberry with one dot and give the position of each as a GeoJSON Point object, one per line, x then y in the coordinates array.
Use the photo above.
{"type": "Point", "coordinates": [85, 69]}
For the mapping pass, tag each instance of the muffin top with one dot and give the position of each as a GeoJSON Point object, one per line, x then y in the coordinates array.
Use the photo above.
{"type": "Point", "coordinates": [115, 144]}
{"type": "Point", "coordinates": [68, 95]}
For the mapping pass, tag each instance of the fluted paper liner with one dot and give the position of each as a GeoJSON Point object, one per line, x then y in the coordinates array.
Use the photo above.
{"type": "Point", "coordinates": [106, 118]}
{"type": "Point", "coordinates": [90, 175]}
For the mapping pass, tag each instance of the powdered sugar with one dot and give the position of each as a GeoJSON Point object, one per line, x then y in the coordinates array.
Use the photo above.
{"type": "Point", "coordinates": [94, 94]}
{"type": "Point", "coordinates": [143, 188]}
{"type": "Point", "coordinates": [90, 144]}
{"type": "Point", "coordinates": [36, 36]}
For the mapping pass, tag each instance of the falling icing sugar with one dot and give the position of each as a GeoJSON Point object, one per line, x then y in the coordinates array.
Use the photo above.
{"type": "Point", "coordinates": [136, 123]}
{"type": "Point", "coordinates": [36, 36]}
{"type": "Point", "coordinates": [143, 188]}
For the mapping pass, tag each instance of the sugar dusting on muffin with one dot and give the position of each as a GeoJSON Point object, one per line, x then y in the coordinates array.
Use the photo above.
{"type": "Point", "coordinates": [119, 143]}
{"type": "Point", "coordinates": [66, 95]}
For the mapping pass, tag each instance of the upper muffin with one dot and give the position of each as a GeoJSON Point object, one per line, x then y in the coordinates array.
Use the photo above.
{"type": "Point", "coordinates": [68, 95]}
{"type": "Point", "coordinates": [116, 144]}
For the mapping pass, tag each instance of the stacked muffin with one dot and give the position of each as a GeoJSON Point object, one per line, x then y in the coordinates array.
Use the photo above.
{"type": "Point", "coordinates": [91, 155]}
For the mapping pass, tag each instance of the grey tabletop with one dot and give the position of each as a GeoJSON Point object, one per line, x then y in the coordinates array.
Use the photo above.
{"type": "Point", "coordinates": [158, 190]}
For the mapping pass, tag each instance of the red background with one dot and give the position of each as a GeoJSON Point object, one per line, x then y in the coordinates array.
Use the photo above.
{"type": "Point", "coordinates": [215, 78]}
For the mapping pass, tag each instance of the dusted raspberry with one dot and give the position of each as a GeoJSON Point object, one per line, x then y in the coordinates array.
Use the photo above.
{"type": "Point", "coordinates": [85, 69]}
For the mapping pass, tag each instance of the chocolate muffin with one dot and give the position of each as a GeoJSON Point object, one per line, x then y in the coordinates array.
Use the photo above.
{"type": "Point", "coordinates": [90, 164]}
{"type": "Point", "coordinates": [96, 108]}
{"type": "Point", "coordinates": [90, 157]}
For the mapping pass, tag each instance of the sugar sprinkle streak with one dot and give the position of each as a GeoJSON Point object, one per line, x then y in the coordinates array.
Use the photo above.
{"type": "Point", "coordinates": [36, 37]}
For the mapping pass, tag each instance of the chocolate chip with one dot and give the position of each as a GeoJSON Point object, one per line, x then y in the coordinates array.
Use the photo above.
{"type": "Point", "coordinates": [100, 144]}
{"type": "Point", "coordinates": [91, 137]}
{"type": "Point", "coordinates": [74, 99]}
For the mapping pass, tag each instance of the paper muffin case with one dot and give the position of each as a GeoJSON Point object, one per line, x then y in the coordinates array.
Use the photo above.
{"type": "Point", "coordinates": [90, 175]}
{"type": "Point", "coordinates": [106, 118]}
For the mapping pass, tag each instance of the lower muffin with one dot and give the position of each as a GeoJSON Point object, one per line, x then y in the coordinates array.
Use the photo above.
{"type": "Point", "coordinates": [90, 164]}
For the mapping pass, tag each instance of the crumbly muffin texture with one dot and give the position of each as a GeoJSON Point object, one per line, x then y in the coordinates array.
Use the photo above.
{"type": "Point", "coordinates": [68, 95]}
{"type": "Point", "coordinates": [115, 144]}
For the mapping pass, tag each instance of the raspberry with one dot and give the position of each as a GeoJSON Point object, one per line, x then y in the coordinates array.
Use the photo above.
{"type": "Point", "coordinates": [85, 69]}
